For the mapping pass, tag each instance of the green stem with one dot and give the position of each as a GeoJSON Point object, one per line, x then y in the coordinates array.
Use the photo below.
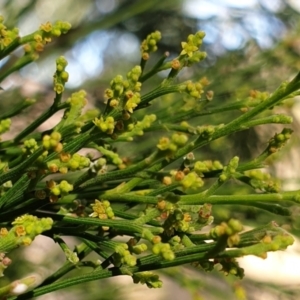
{"type": "Point", "coordinates": [85, 176]}
{"type": "Point", "coordinates": [11, 47]}
{"type": "Point", "coordinates": [170, 127]}
{"type": "Point", "coordinates": [149, 215]}
{"type": "Point", "coordinates": [187, 255]}
{"type": "Point", "coordinates": [186, 241]}
{"type": "Point", "coordinates": [272, 208]}
{"type": "Point", "coordinates": [183, 116]}
{"type": "Point", "coordinates": [128, 216]}
{"type": "Point", "coordinates": [41, 119]}
{"type": "Point", "coordinates": [17, 109]}
{"type": "Point", "coordinates": [155, 69]}
{"type": "Point", "coordinates": [130, 198]}
{"type": "Point", "coordinates": [283, 91]}
{"type": "Point", "coordinates": [96, 248]}
{"type": "Point", "coordinates": [29, 206]}
{"type": "Point", "coordinates": [74, 145]}
{"type": "Point", "coordinates": [16, 193]}
{"type": "Point", "coordinates": [200, 142]}
{"type": "Point", "coordinates": [160, 91]}
{"type": "Point", "coordinates": [130, 171]}
{"type": "Point", "coordinates": [19, 170]}
{"type": "Point", "coordinates": [123, 225]}
{"type": "Point", "coordinates": [22, 62]}
{"type": "Point", "coordinates": [274, 119]}
{"type": "Point", "coordinates": [82, 251]}
{"type": "Point", "coordinates": [197, 199]}
{"type": "Point", "coordinates": [163, 189]}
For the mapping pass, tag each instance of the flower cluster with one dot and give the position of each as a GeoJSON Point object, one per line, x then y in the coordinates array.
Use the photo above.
{"type": "Point", "coordinates": [196, 57]}
{"type": "Point", "coordinates": [4, 263]}
{"type": "Point", "coordinates": [30, 51]}
{"type": "Point", "coordinates": [23, 232]}
{"type": "Point", "coordinates": [100, 165]}
{"type": "Point", "coordinates": [72, 121]}
{"type": "Point", "coordinates": [178, 221]}
{"type": "Point", "coordinates": [230, 266]}
{"type": "Point", "coordinates": [56, 29]}
{"type": "Point", "coordinates": [263, 181]}
{"type": "Point", "coordinates": [123, 96]}
{"type": "Point", "coordinates": [177, 140]}
{"type": "Point", "coordinates": [190, 49]}
{"type": "Point", "coordinates": [188, 180]}
{"type": "Point", "coordinates": [254, 99]}
{"type": "Point", "coordinates": [205, 214]}
{"type": "Point", "coordinates": [7, 36]}
{"type": "Point", "coordinates": [6, 185]}
{"type": "Point", "coordinates": [76, 162]}
{"type": "Point", "coordinates": [71, 256]}
{"type": "Point", "coordinates": [123, 256]}
{"type": "Point", "coordinates": [60, 76]}
{"type": "Point", "coordinates": [5, 125]}
{"type": "Point", "coordinates": [47, 31]}
{"type": "Point", "coordinates": [192, 44]}
{"type": "Point", "coordinates": [138, 128]}
{"type": "Point", "coordinates": [111, 155]}
{"type": "Point", "coordinates": [278, 241]}
{"type": "Point", "coordinates": [52, 142]}
{"type": "Point", "coordinates": [30, 146]}
{"type": "Point", "coordinates": [124, 93]}
{"type": "Point", "coordinates": [163, 249]}
{"type": "Point", "coordinates": [61, 189]}
{"type": "Point", "coordinates": [194, 89]}
{"type": "Point", "coordinates": [229, 170]}
{"type": "Point", "coordinates": [149, 278]}
{"type": "Point", "coordinates": [77, 100]}
{"type": "Point", "coordinates": [105, 124]}
{"type": "Point", "coordinates": [68, 162]}
{"type": "Point", "coordinates": [176, 243]}
{"type": "Point", "coordinates": [150, 44]}
{"type": "Point", "coordinates": [279, 140]}
{"type": "Point", "coordinates": [136, 248]}
{"type": "Point", "coordinates": [201, 167]}
{"type": "Point", "coordinates": [36, 42]}
{"type": "Point", "coordinates": [207, 131]}
{"type": "Point", "coordinates": [133, 100]}
{"type": "Point", "coordinates": [191, 181]}
{"type": "Point", "coordinates": [230, 230]}
{"type": "Point", "coordinates": [102, 210]}
{"type": "Point", "coordinates": [165, 206]}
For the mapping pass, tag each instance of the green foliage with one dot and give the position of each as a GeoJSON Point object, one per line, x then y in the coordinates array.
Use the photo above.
{"type": "Point", "coordinates": [161, 198]}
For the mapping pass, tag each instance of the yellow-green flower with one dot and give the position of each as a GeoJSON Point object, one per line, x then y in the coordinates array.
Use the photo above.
{"type": "Point", "coordinates": [188, 48]}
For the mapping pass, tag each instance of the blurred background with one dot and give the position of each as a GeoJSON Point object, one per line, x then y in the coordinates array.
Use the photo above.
{"type": "Point", "coordinates": [251, 45]}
